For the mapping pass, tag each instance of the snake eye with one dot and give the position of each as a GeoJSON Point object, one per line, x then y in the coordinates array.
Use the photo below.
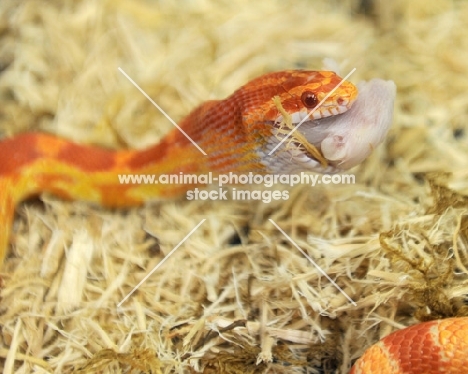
{"type": "Point", "coordinates": [309, 99]}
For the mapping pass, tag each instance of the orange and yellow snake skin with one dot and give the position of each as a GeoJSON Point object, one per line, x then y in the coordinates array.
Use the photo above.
{"type": "Point", "coordinates": [237, 134]}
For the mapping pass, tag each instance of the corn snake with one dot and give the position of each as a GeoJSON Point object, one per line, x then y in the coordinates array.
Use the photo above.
{"type": "Point", "coordinates": [237, 134]}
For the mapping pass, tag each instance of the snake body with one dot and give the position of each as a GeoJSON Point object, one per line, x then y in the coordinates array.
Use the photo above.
{"type": "Point", "coordinates": [237, 134]}
{"type": "Point", "coordinates": [426, 348]}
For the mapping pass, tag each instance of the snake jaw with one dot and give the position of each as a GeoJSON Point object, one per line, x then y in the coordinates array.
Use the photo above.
{"type": "Point", "coordinates": [322, 112]}
{"type": "Point", "coordinates": [337, 103]}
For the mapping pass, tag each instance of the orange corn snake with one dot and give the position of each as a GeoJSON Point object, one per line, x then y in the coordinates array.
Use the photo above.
{"type": "Point", "coordinates": [236, 133]}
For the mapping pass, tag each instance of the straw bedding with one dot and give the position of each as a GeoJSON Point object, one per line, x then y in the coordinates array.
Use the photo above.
{"type": "Point", "coordinates": [237, 296]}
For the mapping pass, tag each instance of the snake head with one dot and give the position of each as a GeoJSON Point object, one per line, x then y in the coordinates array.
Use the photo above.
{"type": "Point", "coordinates": [331, 127]}
{"type": "Point", "coordinates": [313, 95]}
